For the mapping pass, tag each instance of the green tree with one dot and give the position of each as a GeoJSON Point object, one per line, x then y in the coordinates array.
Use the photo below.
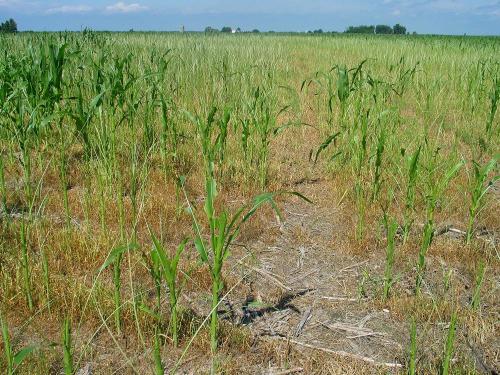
{"type": "Point", "coordinates": [210, 29]}
{"type": "Point", "coordinates": [362, 29]}
{"type": "Point", "coordinates": [9, 26]}
{"type": "Point", "coordinates": [226, 29]}
{"type": "Point", "coordinates": [383, 29]}
{"type": "Point", "coordinates": [399, 29]}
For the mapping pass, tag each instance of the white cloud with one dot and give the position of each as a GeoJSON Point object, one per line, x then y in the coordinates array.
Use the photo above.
{"type": "Point", "coordinates": [396, 12]}
{"type": "Point", "coordinates": [121, 7]}
{"type": "Point", "coordinates": [8, 3]}
{"type": "Point", "coordinates": [70, 9]}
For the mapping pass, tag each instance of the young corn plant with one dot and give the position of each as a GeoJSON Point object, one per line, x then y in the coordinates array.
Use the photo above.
{"type": "Point", "coordinates": [377, 179]}
{"type": "Point", "coordinates": [83, 115]}
{"type": "Point", "coordinates": [260, 123]}
{"type": "Point", "coordinates": [169, 271]}
{"type": "Point", "coordinates": [494, 98]}
{"type": "Point", "coordinates": [223, 229]}
{"type": "Point", "coordinates": [479, 191]}
{"type": "Point", "coordinates": [346, 84]}
{"type": "Point", "coordinates": [22, 133]}
{"type": "Point", "coordinates": [410, 195]}
{"type": "Point", "coordinates": [435, 193]}
{"type": "Point", "coordinates": [155, 270]}
{"type": "Point", "coordinates": [159, 369]}
{"type": "Point", "coordinates": [67, 350]}
{"type": "Point", "coordinates": [12, 360]}
{"type": "Point", "coordinates": [6, 346]}
{"type": "Point", "coordinates": [448, 349]}
{"type": "Point", "coordinates": [361, 146]}
{"type": "Point", "coordinates": [476, 295]}
{"type": "Point", "coordinates": [115, 258]}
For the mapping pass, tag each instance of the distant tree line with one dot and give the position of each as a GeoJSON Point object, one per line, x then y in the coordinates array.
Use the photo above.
{"type": "Point", "coordinates": [227, 29]}
{"type": "Point", "coordinates": [9, 26]}
{"type": "Point", "coordinates": [379, 29]}
{"type": "Point", "coordinates": [362, 29]}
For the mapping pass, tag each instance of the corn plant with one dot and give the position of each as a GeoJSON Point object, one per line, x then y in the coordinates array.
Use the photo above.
{"type": "Point", "coordinates": [377, 180]}
{"type": "Point", "coordinates": [448, 349]}
{"type": "Point", "coordinates": [115, 258]}
{"type": "Point", "coordinates": [391, 228]}
{"type": "Point", "coordinates": [223, 229]}
{"type": "Point", "coordinates": [67, 349]}
{"type": "Point", "coordinates": [410, 194]}
{"type": "Point", "coordinates": [159, 368]}
{"type": "Point", "coordinates": [6, 346]}
{"type": "Point", "coordinates": [260, 123]}
{"type": "Point", "coordinates": [404, 76]}
{"type": "Point", "coordinates": [12, 360]}
{"type": "Point", "coordinates": [494, 98]}
{"type": "Point", "coordinates": [22, 133]}
{"type": "Point", "coordinates": [361, 150]}
{"type": "Point", "coordinates": [212, 135]}
{"type": "Point", "coordinates": [155, 270]}
{"type": "Point", "coordinates": [476, 295]}
{"type": "Point", "coordinates": [82, 115]}
{"type": "Point", "coordinates": [478, 192]}
{"type": "Point", "coordinates": [435, 193]}
{"type": "Point", "coordinates": [346, 84]}
{"type": "Point", "coordinates": [169, 271]}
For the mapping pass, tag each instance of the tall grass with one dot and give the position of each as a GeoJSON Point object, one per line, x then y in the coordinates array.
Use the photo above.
{"type": "Point", "coordinates": [478, 191]}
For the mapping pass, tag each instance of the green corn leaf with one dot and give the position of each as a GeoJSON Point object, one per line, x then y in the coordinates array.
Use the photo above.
{"type": "Point", "coordinates": [261, 199]}
{"type": "Point", "coordinates": [148, 311]}
{"type": "Point", "coordinates": [200, 247]}
{"type": "Point", "coordinates": [180, 250]}
{"type": "Point", "coordinates": [115, 253]}
{"type": "Point", "coordinates": [325, 144]}
{"type": "Point", "coordinates": [23, 353]}
{"type": "Point", "coordinates": [96, 101]}
{"type": "Point", "coordinates": [162, 256]}
{"type": "Point", "coordinates": [451, 173]}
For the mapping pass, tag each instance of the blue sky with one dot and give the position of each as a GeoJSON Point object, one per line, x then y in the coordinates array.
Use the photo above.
{"type": "Point", "coordinates": [479, 17]}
